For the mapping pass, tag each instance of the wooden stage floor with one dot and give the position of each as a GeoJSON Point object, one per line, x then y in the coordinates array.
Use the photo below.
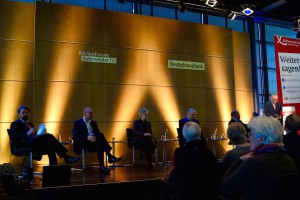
{"type": "Point", "coordinates": [138, 182]}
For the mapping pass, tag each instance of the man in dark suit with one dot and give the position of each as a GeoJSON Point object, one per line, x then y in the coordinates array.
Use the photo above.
{"type": "Point", "coordinates": [235, 117]}
{"type": "Point", "coordinates": [86, 130]}
{"type": "Point", "coordinates": [42, 143]}
{"type": "Point", "coordinates": [143, 131]}
{"type": "Point", "coordinates": [273, 108]}
{"type": "Point", "coordinates": [190, 117]}
{"type": "Point", "coordinates": [291, 139]}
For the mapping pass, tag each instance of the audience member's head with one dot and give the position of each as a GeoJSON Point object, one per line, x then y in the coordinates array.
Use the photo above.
{"type": "Point", "coordinates": [292, 123]}
{"type": "Point", "coordinates": [235, 114]}
{"type": "Point", "coordinates": [255, 114]}
{"type": "Point", "coordinates": [191, 114]}
{"type": "Point", "coordinates": [236, 133]}
{"type": "Point", "coordinates": [264, 130]}
{"type": "Point", "coordinates": [191, 131]}
{"type": "Point", "coordinates": [143, 113]}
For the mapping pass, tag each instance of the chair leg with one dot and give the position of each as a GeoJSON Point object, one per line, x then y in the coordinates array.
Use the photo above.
{"type": "Point", "coordinates": [83, 159]}
{"type": "Point", "coordinates": [156, 157]}
{"type": "Point", "coordinates": [30, 160]}
{"type": "Point", "coordinates": [133, 156]}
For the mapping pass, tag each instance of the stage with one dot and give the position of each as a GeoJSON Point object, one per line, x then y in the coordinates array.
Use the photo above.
{"type": "Point", "coordinates": [138, 182]}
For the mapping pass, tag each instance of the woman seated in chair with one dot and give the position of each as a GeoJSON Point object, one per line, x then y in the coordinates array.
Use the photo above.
{"type": "Point", "coordinates": [143, 131]}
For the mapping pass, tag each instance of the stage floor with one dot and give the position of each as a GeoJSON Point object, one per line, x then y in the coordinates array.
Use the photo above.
{"type": "Point", "coordinates": [139, 172]}
{"type": "Point", "coordinates": [124, 182]}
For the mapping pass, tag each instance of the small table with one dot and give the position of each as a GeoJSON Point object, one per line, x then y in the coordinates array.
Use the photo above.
{"type": "Point", "coordinates": [214, 140]}
{"type": "Point", "coordinates": [164, 149]}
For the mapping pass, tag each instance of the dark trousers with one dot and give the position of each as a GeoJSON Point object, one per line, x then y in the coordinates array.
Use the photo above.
{"type": "Point", "coordinates": [100, 146]}
{"type": "Point", "coordinates": [48, 144]}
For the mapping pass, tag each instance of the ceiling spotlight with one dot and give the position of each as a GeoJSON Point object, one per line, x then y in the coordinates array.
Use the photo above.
{"type": "Point", "coordinates": [247, 11]}
{"type": "Point", "coordinates": [211, 3]}
{"type": "Point", "coordinates": [232, 16]}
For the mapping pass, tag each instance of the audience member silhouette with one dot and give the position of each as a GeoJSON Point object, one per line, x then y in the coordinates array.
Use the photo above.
{"type": "Point", "coordinates": [237, 136]}
{"type": "Point", "coordinates": [291, 139]}
{"type": "Point", "coordinates": [268, 158]}
{"type": "Point", "coordinates": [194, 173]}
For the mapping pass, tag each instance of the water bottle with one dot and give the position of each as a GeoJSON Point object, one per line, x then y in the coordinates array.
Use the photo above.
{"type": "Point", "coordinates": [59, 136]}
{"type": "Point", "coordinates": [166, 133]}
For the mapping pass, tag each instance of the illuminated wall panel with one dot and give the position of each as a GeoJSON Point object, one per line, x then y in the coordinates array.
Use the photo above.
{"type": "Point", "coordinates": [188, 38]}
{"type": "Point", "coordinates": [45, 67]}
{"type": "Point", "coordinates": [90, 26]}
{"type": "Point", "coordinates": [16, 21]}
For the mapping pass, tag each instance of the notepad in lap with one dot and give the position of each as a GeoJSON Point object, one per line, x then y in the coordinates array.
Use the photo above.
{"type": "Point", "coordinates": [42, 129]}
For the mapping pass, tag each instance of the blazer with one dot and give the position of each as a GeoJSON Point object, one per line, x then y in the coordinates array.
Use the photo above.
{"type": "Point", "coordinates": [240, 121]}
{"type": "Point", "coordinates": [182, 122]}
{"type": "Point", "coordinates": [185, 120]}
{"type": "Point", "coordinates": [18, 130]}
{"type": "Point", "coordinates": [80, 129]}
{"type": "Point", "coordinates": [270, 111]}
{"type": "Point", "coordinates": [139, 128]}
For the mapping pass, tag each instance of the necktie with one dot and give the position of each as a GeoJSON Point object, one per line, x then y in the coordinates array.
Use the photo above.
{"type": "Point", "coordinates": [28, 125]}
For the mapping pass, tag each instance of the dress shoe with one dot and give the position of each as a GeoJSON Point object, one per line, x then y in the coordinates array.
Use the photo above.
{"type": "Point", "coordinates": [104, 170]}
{"type": "Point", "coordinates": [71, 159]}
{"type": "Point", "coordinates": [113, 159]}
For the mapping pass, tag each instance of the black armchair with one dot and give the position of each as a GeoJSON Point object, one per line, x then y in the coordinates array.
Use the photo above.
{"type": "Point", "coordinates": [22, 148]}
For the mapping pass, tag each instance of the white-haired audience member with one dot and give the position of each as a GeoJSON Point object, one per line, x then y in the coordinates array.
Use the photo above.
{"type": "Point", "coordinates": [194, 171]}
{"type": "Point", "coordinates": [249, 174]}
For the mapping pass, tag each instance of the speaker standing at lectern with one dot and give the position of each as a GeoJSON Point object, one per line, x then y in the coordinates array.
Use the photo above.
{"type": "Point", "coordinates": [273, 108]}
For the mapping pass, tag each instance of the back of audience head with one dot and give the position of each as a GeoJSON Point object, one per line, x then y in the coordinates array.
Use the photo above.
{"type": "Point", "coordinates": [292, 123]}
{"type": "Point", "coordinates": [268, 129]}
{"type": "Point", "coordinates": [191, 131]}
{"type": "Point", "coordinates": [236, 133]}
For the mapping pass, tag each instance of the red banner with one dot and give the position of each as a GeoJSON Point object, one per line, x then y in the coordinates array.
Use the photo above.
{"type": "Point", "coordinates": [287, 55]}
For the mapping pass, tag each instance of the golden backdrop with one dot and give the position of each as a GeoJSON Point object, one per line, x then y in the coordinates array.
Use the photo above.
{"type": "Point", "coordinates": [59, 59]}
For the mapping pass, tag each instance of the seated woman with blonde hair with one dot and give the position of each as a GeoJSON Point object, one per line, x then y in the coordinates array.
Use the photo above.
{"type": "Point", "coordinates": [238, 137]}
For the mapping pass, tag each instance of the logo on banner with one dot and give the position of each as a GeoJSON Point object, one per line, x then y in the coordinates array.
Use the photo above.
{"type": "Point", "coordinates": [289, 67]}
{"type": "Point", "coordinates": [96, 57]}
{"type": "Point", "coordinates": [279, 41]}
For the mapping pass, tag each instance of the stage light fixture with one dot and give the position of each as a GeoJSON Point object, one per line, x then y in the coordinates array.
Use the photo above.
{"type": "Point", "coordinates": [211, 3]}
{"type": "Point", "coordinates": [247, 9]}
{"type": "Point", "coordinates": [232, 16]}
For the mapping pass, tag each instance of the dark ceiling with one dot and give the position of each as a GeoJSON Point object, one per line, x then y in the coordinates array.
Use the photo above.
{"type": "Point", "coordinates": [287, 10]}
